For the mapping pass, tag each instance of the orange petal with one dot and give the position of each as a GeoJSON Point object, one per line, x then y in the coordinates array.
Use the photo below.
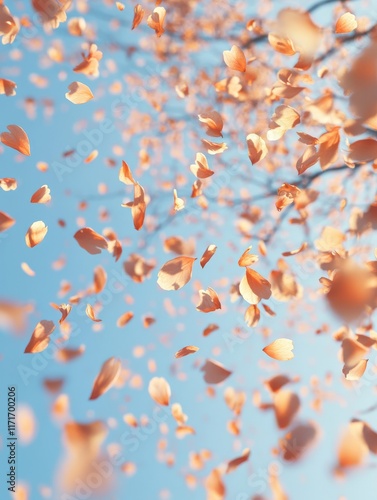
{"type": "Point", "coordinates": [235, 59]}
{"type": "Point", "coordinates": [210, 328]}
{"type": "Point", "coordinates": [286, 405]}
{"type": "Point", "coordinates": [247, 259]}
{"type": "Point", "coordinates": [209, 301]}
{"type": "Point", "coordinates": [7, 87]}
{"type": "Point", "coordinates": [40, 337]}
{"type": "Point", "coordinates": [79, 93]}
{"type": "Point", "coordinates": [297, 440]}
{"type": "Point", "coordinates": [235, 400]}
{"type": "Point", "coordinates": [215, 486]}
{"type": "Point", "coordinates": [69, 354]}
{"type": "Point", "coordinates": [138, 16]}
{"type": "Point", "coordinates": [254, 287]}
{"type": "Point", "coordinates": [106, 378]}
{"type": "Point", "coordinates": [331, 239]}
{"type": "Point", "coordinates": [6, 221]}
{"type": "Point", "coordinates": [92, 156]}
{"type": "Point", "coordinates": [17, 139]}
{"type": "Point", "coordinates": [346, 23]}
{"type": "Point", "coordinates": [156, 20]}
{"type": "Point", "coordinates": [355, 372]}
{"type": "Point", "coordinates": [36, 233]}
{"type": "Point", "coordinates": [252, 315]}
{"type": "Point", "coordinates": [281, 44]}
{"type": "Point", "coordinates": [352, 449]}
{"type": "Point", "coordinates": [208, 254]}
{"type": "Point", "coordinates": [90, 241]}
{"type": "Point", "coordinates": [257, 148]}
{"type": "Point", "coordinates": [275, 383]}
{"type": "Point", "coordinates": [214, 372]}
{"type": "Point", "coordinates": [185, 351]}
{"type": "Point", "coordinates": [236, 462]}
{"type": "Point", "coordinates": [176, 273]}
{"type": "Point", "coordinates": [179, 204]}
{"type": "Point", "coordinates": [100, 278]}
{"type": "Point", "coordinates": [213, 121]}
{"type": "Point", "coordinates": [183, 430]}
{"type": "Point", "coordinates": [8, 184]}
{"type": "Point", "coordinates": [76, 26]}
{"type": "Point", "coordinates": [214, 148]}
{"type": "Point", "coordinates": [64, 309]}
{"type": "Point", "coordinates": [201, 169]}
{"type": "Point", "coordinates": [363, 150]}
{"type": "Point", "coordinates": [280, 349]}
{"type": "Point", "coordinates": [125, 175]}
{"type": "Point", "coordinates": [295, 252]}
{"type": "Point", "coordinates": [90, 313]}
{"type": "Point", "coordinates": [159, 390]}
{"type": "Point", "coordinates": [27, 269]}
{"type": "Point", "coordinates": [42, 195]}
{"type": "Point", "coordinates": [124, 319]}
{"type": "Point", "coordinates": [138, 207]}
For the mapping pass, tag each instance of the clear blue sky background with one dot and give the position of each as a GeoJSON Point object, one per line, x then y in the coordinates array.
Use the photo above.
{"type": "Point", "coordinates": [38, 462]}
